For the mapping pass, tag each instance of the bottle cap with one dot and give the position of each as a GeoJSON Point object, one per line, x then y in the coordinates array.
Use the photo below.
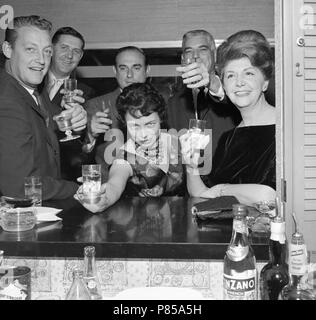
{"type": "Point", "coordinates": [89, 250]}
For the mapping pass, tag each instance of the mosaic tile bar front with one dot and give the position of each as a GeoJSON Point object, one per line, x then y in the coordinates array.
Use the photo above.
{"type": "Point", "coordinates": [52, 277]}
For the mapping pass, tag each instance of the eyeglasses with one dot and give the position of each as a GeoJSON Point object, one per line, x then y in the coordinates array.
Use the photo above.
{"type": "Point", "coordinates": [75, 52]}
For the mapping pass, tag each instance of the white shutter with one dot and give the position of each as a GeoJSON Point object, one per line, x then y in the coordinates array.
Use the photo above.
{"type": "Point", "coordinates": [309, 109]}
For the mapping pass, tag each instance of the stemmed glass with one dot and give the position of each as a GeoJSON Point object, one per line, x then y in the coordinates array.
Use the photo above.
{"type": "Point", "coordinates": [70, 85]}
{"type": "Point", "coordinates": [64, 119]}
{"type": "Point", "coordinates": [186, 60]}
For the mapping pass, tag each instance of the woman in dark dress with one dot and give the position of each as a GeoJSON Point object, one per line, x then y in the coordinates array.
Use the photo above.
{"type": "Point", "coordinates": [244, 162]}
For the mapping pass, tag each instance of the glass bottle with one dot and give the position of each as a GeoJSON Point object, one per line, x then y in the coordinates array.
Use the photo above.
{"type": "Point", "coordinates": [78, 289]}
{"type": "Point", "coordinates": [90, 275]}
{"type": "Point", "coordinates": [274, 275]}
{"type": "Point", "coordinates": [240, 273]}
{"type": "Point", "coordinates": [295, 290]}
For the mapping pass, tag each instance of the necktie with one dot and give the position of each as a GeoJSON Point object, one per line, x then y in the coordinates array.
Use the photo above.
{"type": "Point", "coordinates": [41, 106]}
{"type": "Point", "coordinates": [54, 87]}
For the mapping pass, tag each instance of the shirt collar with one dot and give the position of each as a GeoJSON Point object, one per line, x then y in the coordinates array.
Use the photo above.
{"type": "Point", "coordinates": [52, 77]}
{"type": "Point", "coordinates": [29, 90]}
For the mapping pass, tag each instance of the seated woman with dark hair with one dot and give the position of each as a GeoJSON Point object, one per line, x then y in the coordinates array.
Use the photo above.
{"type": "Point", "coordinates": [148, 163]}
{"type": "Point", "coordinates": [244, 162]}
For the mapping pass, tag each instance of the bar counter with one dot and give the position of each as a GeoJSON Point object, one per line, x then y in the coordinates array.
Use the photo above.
{"type": "Point", "coordinates": [133, 228]}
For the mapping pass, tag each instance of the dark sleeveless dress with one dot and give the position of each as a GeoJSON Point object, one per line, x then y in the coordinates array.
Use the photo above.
{"type": "Point", "coordinates": [245, 155]}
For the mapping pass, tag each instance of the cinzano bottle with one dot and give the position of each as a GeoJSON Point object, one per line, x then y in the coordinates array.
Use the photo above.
{"type": "Point", "coordinates": [240, 273]}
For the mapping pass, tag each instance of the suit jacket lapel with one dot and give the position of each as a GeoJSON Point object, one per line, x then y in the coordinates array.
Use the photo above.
{"type": "Point", "coordinates": [29, 100]}
{"type": "Point", "coordinates": [51, 136]}
{"type": "Point", "coordinates": [49, 133]}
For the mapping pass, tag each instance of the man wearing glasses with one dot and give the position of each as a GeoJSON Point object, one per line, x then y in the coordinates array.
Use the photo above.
{"type": "Point", "coordinates": [68, 46]}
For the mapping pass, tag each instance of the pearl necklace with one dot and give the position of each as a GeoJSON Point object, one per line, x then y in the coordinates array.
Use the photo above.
{"type": "Point", "coordinates": [153, 155]}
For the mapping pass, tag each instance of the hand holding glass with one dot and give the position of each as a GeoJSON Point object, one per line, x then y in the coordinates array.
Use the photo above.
{"type": "Point", "coordinates": [64, 124]}
{"type": "Point", "coordinates": [64, 118]}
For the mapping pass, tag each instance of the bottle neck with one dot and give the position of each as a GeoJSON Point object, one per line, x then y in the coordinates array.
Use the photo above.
{"type": "Point", "coordinates": [240, 232]}
{"type": "Point", "coordinates": [295, 281]}
{"type": "Point", "coordinates": [89, 265]}
{"type": "Point", "coordinates": [277, 252]}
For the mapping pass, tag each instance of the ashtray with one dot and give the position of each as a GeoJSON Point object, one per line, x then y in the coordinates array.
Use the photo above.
{"type": "Point", "coordinates": [18, 202]}
{"type": "Point", "coordinates": [18, 219]}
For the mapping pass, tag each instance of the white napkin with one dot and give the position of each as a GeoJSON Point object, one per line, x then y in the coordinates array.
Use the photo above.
{"type": "Point", "coordinates": [46, 214]}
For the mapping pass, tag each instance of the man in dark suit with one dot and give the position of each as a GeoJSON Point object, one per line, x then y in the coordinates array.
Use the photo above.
{"type": "Point", "coordinates": [212, 105]}
{"type": "Point", "coordinates": [28, 143]}
{"type": "Point", "coordinates": [130, 66]}
{"type": "Point", "coordinates": [68, 45]}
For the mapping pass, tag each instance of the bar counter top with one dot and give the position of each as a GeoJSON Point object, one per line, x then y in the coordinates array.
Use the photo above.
{"type": "Point", "coordinates": [140, 228]}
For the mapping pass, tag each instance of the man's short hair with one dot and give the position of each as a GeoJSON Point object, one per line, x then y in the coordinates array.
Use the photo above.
{"type": "Point", "coordinates": [68, 31]}
{"type": "Point", "coordinates": [26, 21]}
{"type": "Point", "coordinates": [131, 48]}
{"type": "Point", "coordinates": [199, 32]}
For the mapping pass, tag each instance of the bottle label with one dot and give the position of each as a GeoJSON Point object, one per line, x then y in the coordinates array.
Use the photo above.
{"type": "Point", "coordinates": [13, 291]}
{"type": "Point", "coordinates": [237, 253]}
{"type": "Point", "coordinates": [241, 286]}
{"type": "Point", "coordinates": [298, 259]}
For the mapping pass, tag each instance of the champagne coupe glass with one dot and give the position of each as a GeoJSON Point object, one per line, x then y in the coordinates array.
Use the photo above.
{"type": "Point", "coordinates": [186, 60]}
{"type": "Point", "coordinates": [64, 124]}
{"type": "Point", "coordinates": [64, 119]}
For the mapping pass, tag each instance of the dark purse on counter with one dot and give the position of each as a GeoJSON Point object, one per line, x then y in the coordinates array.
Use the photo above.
{"type": "Point", "coordinates": [215, 208]}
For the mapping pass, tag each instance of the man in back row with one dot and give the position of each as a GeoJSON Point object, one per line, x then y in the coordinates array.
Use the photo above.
{"type": "Point", "coordinates": [130, 66]}
{"type": "Point", "coordinates": [212, 105]}
{"type": "Point", "coordinates": [28, 143]}
{"type": "Point", "coordinates": [68, 50]}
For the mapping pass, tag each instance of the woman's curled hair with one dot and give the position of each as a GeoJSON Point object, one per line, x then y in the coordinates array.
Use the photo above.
{"type": "Point", "coordinates": [140, 99]}
{"type": "Point", "coordinates": [247, 43]}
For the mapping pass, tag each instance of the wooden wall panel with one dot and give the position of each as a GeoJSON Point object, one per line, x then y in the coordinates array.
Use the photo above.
{"type": "Point", "coordinates": [151, 20]}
